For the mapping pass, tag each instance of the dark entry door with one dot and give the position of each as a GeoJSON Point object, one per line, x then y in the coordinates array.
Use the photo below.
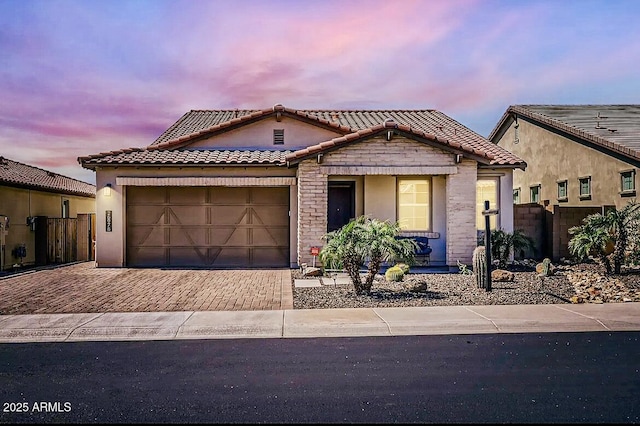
{"type": "Point", "coordinates": [341, 204]}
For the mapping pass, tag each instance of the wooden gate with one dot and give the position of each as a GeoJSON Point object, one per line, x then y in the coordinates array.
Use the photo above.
{"type": "Point", "coordinates": [62, 235]}
{"type": "Point", "coordinates": [65, 240]}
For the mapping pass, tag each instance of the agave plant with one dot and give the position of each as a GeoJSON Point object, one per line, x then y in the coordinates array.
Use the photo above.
{"type": "Point", "coordinates": [365, 240]}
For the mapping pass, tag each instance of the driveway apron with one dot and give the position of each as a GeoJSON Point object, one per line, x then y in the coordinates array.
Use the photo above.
{"type": "Point", "coordinates": [83, 288]}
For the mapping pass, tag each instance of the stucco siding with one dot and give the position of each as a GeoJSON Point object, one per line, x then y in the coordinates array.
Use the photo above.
{"type": "Point", "coordinates": [20, 203]}
{"type": "Point", "coordinates": [551, 157]}
{"type": "Point", "coordinates": [260, 135]}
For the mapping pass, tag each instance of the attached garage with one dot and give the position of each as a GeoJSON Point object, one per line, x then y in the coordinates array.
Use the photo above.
{"type": "Point", "coordinates": [215, 226]}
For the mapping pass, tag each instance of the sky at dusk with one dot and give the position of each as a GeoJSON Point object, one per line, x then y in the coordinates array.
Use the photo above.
{"type": "Point", "coordinates": [80, 77]}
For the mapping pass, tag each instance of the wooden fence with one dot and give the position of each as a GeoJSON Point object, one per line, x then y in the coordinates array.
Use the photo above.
{"type": "Point", "coordinates": [65, 240]}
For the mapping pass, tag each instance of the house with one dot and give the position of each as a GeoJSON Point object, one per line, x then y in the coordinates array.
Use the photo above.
{"type": "Point", "coordinates": [580, 159]}
{"type": "Point", "coordinates": [260, 188]}
{"type": "Point", "coordinates": [28, 193]}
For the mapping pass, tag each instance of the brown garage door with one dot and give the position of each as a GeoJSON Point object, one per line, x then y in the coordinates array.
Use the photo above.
{"type": "Point", "coordinates": [208, 226]}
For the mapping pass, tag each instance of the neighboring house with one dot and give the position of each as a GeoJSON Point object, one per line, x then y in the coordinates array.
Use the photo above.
{"type": "Point", "coordinates": [580, 159]}
{"type": "Point", "coordinates": [27, 193]}
{"type": "Point", "coordinates": [260, 188]}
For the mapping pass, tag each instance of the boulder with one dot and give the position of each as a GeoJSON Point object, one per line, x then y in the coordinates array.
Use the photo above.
{"type": "Point", "coordinates": [312, 272]}
{"type": "Point", "coordinates": [500, 275]}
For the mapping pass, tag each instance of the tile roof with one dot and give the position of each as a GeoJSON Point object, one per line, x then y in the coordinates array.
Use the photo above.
{"type": "Point", "coordinates": [13, 173]}
{"type": "Point", "coordinates": [169, 157]}
{"type": "Point", "coordinates": [202, 123]}
{"type": "Point", "coordinates": [382, 128]}
{"type": "Point", "coordinates": [613, 127]}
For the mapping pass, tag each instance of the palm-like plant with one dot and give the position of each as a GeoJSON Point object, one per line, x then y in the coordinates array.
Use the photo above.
{"type": "Point", "coordinates": [623, 224]}
{"type": "Point", "coordinates": [361, 240]}
{"type": "Point", "coordinates": [592, 238]}
{"type": "Point", "coordinates": [602, 234]}
{"type": "Point", "coordinates": [504, 243]}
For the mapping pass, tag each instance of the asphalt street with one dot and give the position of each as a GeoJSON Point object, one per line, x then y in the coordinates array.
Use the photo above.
{"type": "Point", "coordinates": [581, 377]}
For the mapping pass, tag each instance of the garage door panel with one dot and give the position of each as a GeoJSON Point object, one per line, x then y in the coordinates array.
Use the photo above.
{"type": "Point", "coordinates": [145, 195]}
{"type": "Point", "coordinates": [187, 195]}
{"type": "Point", "coordinates": [208, 226]}
{"type": "Point", "coordinates": [145, 236]}
{"type": "Point", "coordinates": [278, 237]}
{"type": "Point", "coordinates": [187, 215]}
{"type": "Point", "coordinates": [230, 257]}
{"type": "Point", "coordinates": [269, 256]}
{"type": "Point", "coordinates": [270, 196]}
{"type": "Point", "coordinates": [230, 196]}
{"type": "Point", "coordinates": [229, 215]}
{"type": "Point", "coordinates": [145, 215]}
{"type": "Point", "coordinates": [267, 215]}
{"type": "Point", "coordinates": [230, 237]}
{"type": "Point", "coordinates": [185, 256]}
{"type": "Point", "coordinates": [183, 236]}
{"type": "Point", "coordinates": [146, 256]}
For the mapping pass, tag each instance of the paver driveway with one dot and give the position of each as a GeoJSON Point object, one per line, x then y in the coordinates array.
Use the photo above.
{"type": "Point", "coordinates": [82, 287]}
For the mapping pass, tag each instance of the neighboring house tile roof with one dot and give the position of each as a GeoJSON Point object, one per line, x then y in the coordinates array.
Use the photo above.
{"type": "Point", "coordinates": [186, 156]}
{"type": "Point", "coordinates": [429, 123]}
{"type": "Point", "coordinates": [13, 173]}
{"type": "Point", "coordinates": [613, 127]}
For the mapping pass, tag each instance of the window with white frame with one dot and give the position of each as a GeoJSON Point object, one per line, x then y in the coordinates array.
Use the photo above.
{"type": "Point", "coordinates": [486, 190]}
{"type": "Point", "coordinates": [562, 190]}
{"type": "Point", "coordinates": [414, 203]}
{"type": "Point", "coordinates": [628, 182]}
{"type": "Point", "coordinates": [585, 187]}
{"type": "Point", "coordinates": [534, 194]}
{"type": "Point", "coordinates": [516, 196]}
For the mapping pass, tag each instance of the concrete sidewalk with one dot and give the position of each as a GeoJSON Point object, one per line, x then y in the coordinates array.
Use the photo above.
{"type": "Point", "coordinates": [320, 322]}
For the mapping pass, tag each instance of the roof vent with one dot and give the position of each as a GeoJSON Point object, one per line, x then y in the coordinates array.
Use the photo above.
{"type": "Point", "coordinates": [389, 122]}
{"type": "Point", "coordinates": [278, 136]}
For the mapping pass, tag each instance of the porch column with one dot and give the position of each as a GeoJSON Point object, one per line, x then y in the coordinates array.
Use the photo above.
{"type": "Point", "coordinates": [461, 214]}
{"type": "Point", "coordinates": [312, 209]}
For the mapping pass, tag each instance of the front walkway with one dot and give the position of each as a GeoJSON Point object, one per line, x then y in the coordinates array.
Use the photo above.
{"type": "Point", "coordinates": [83, 288]}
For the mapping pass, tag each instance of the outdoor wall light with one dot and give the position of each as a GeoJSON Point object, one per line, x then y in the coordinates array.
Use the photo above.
{"type": "Point", "coordinates": [107, 190]}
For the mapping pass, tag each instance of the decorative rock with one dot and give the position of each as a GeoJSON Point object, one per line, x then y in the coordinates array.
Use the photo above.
{"type": "Point", "coordinates": [500, 275]}
{"type": "Point", "coordinates": [312, 272]}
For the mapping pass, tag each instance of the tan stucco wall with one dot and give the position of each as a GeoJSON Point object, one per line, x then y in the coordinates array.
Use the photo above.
{"type": "Point", "coordinates": [380, 197]}
{"type": "Point", "coordinates": [20, 203]}
{"type": "Point", "coordinates": [551, 157]}
{"type": "Point", "coordinates": [111, 246]}
{"type": "Point", "coordinates": [297, 134]}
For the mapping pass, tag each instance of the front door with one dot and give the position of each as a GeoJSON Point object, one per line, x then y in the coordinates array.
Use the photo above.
{"type": "Point", "coordinates": [341, 204]}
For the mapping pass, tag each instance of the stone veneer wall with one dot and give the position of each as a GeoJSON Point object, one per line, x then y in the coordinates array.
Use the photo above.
{"type": "Point", "coordinates": [461, 213]}
{"type": "Point", "coordinates": [312, 209]}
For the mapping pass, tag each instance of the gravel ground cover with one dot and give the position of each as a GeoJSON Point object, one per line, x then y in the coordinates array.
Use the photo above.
{"type": "Point", "coordinates": [581, 283]}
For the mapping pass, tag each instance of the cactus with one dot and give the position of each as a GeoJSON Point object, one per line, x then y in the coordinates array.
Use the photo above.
{"type": "Point", "coordinates": [404, 267]}
{"type": "Point", "coordinates": [546, 268]}
{"type": "Point", "coordinates": [395, 273]}
{"type": "Point", "coordinates": [480, 266]}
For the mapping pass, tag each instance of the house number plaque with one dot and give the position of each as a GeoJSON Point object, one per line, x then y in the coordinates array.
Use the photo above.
{"type": "Point", "coordinates": [109, 221]}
